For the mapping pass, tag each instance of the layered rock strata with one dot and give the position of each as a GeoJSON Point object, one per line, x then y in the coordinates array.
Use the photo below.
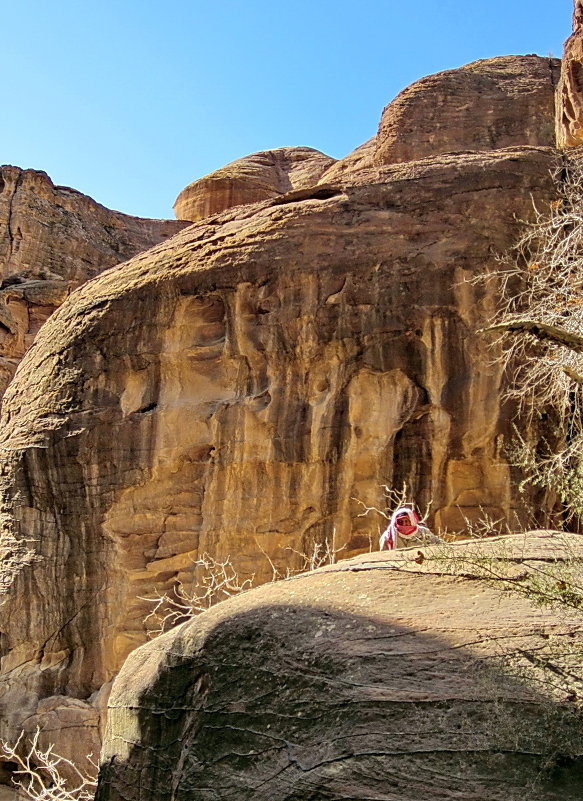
{"type": "Point", "coordinates": [490, 104]}
{"type": "Point", "coordinates": [259, 176]}
{"type": "Point", "coordinates": [246, 389]}
{"type": "Point", "coordinates": [238, 390]}
{"type": "Point", "coordinates": [52, 239]}
{"type": "Point", "coordinates": [375, 678]}
{"type": "Point", "coordinates": [569, 124]}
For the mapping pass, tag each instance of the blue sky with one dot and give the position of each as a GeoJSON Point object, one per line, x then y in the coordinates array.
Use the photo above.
{"type": "Point", "coordinates": [129, 101]}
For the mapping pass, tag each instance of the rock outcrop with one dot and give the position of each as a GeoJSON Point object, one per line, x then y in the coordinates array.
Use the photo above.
{"type": "Point", "coordinates": [500, 102]}
{"type": "Point", "coordinates": [570, 91]}
{"type": "Point", "coordinates": [235, 389]}
{"type": "Point", "coordinates": [52, 239]}
{"type": "Point", "coordinates": [360, 159]}
{"type": "Point", "coordinates": [374, 678]}
{"type": "Point", "coordinates": [242, 389]}
{"type": "Point", "coordinates": [260, 176]}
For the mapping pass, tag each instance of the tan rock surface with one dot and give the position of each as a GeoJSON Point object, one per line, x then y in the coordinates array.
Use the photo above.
{"type": "Point", "coordinates": [360, 159]}
{"type": "Point", "coordinates": [570, 90]}
{"type": "Point", "coordinates": [260, 176]}
{"type": "Point", "coordinates": [233, 390]}
{"type": "Point", "coordinates": [373, 679]}
{"type": "Point", "coordinates": [52, 239]}
{"type": "Point", "coordinates": [496, 103]}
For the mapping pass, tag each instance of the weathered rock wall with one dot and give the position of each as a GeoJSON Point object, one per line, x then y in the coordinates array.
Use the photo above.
{"type": "Point", "coordinates": [238, 390]}
{"type": "Point", "coordinates": [569, 117]}
{"type": "Point", "coordinates": [52, 239]}
{"type": "Point", "coordinates": [233, 391]}
{"type": "Point", "coordinates": [376, 678]}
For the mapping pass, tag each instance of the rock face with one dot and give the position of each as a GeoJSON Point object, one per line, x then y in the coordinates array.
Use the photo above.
{"type": "Point", "coordinates": [375, 678]}
{"type": "Point", "coordinates": [52, 239]}
{"type": "Point", "coordinates": [570, 91]}
{"type": "Point", "coordinates": [360, 159]}
{"type": "Point", "coordinates": [238, 390]}
{"type": "Point", "coordinates": [260, 176]}
{"type": "Point", "coordinates": [234, 390]}
{"type": "Point", "coordinates": [501, 102]}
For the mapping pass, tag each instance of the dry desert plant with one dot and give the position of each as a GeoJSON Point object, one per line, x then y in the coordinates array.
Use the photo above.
{"type": "Point", "coordinates": [214, 581]}
{"type": "Point", "coordinates": [393, 499]}
{"type": "Point", "coordinates": [41, 773]}
{"type": "Point", "coordinates": [540, 330]}
{"type": "Point", "coordinates": [321, 554]}
{"type": "Point", "coordinates": [557, 584]}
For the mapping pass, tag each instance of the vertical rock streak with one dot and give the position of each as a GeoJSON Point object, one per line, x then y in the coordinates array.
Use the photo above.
{"type": "Point", "coordinates": [569, 114]}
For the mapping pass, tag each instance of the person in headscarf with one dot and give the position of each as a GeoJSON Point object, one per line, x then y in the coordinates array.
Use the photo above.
{"type": "Point", "coordinates": [406, 530]}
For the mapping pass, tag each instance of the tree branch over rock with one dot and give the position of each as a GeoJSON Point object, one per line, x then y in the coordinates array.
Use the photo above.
{"type": "Point", "coordinates": [540, 332]}
{"type": "Point", "coordinates": [40, 775]}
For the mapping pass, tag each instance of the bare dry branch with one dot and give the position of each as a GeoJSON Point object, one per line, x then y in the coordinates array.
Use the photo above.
{"type": "Point", "coordinates": [542, 331]}
{"type": "Point", "coordinates": [394, 498]}
{"type": "Point", "coordinates": [41, 775]}
{"type": "Point", "coordinates": [214, 581]}
{"type": "Point", "coordinates": [540, 336]}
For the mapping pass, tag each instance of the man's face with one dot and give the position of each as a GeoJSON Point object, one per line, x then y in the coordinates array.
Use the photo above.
{"type": "Point", "coordinates": [405, 525]}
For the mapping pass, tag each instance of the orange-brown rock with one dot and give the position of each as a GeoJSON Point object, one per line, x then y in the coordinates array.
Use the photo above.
{"type": "Point", "coordinates": [497, 103]}
{"type": "Point", "coordinates": [240, 388]}
{"type": "Point", "coordinates": [570, 90]}
{"type": "Point", "coordinates": [260, 176]}
{"type": "Point", "coordinates": [52, 239]}
{"type": "Point", "coordinates": [359, 159]}
{"type": "Point", "coordinates": [377, 678]}
{"type": "Point", "coordinates": [236, 388]}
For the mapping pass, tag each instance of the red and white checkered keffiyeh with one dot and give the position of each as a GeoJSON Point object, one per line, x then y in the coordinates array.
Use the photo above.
{"type": "Point", "coordinates": [404, 522]}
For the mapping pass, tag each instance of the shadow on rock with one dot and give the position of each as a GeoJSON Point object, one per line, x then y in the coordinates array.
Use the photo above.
{"type": "Point", "coordinates": [295, 692]}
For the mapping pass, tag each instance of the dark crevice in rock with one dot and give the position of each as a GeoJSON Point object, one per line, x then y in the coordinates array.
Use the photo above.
{"type": "Point", "coordinates": [576, 70]}
{"type": "Point", "coordinates": [149, 408]}
{"type": "Point", "coordinates": [313, 193]}
{"type": "Point", "coordinates": [9, 216]}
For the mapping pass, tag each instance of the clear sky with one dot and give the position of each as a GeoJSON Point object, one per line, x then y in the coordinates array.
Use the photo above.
{"type": "Point", "coordinates": [131, 100]}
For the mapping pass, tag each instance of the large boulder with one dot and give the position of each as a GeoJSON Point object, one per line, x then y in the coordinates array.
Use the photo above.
{"type": "Point", "coordinates": [52, 239]}
{"type": "Point", "coordinates": [496, 103]}
{"type": "Point", "coordinates": [376, 678]}
{"type": "Point", "coordinates": [259, 176]}
{"type": "Point", "coordinates": [246, 389]}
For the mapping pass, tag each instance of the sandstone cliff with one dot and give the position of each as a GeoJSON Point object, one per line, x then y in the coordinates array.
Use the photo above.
{"type": "Point", "coordinates": [236, 388]}
{"type": "Point", "coordinates": [569, 117]}
{"type": "Point", "coordinates": [375, 678]}
{"type": "Point", "coordinates": [52, 239]}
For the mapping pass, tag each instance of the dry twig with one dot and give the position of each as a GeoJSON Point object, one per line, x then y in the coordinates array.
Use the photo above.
{"type": "Point", "coordinates": [540, 331]}
{"type": "Point", "coordinates": [41, 772]}
{"type": "Point", "coordinates": [217, 580]}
